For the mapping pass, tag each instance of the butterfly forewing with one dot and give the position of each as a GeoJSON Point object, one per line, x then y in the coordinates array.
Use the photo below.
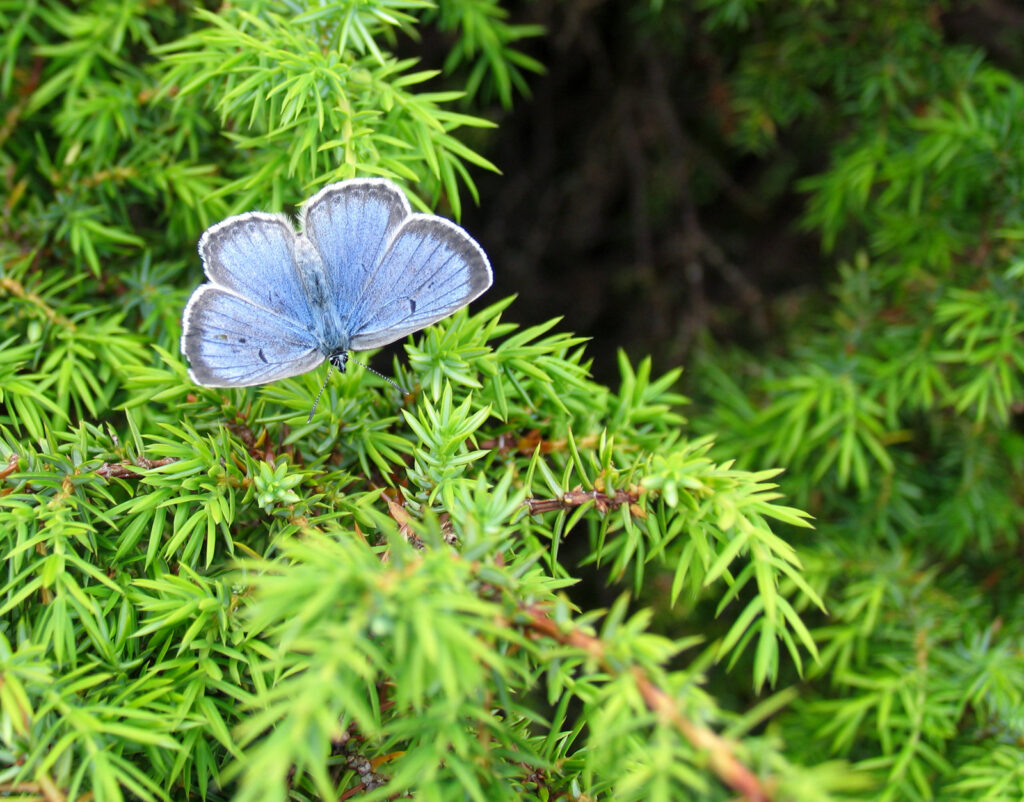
{"type": "Point", "coordinates": [430, 269]}
{"type": "Point", "coordinates": [254, 256]}
{"type": "Point", "coordinates": [253, 323]}
{"type": "Point", "coordinates": [350, 225]}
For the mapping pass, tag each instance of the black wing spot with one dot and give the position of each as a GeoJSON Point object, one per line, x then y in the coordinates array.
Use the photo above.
{"type": "Point", "coordinates": [263, 356]}
{"type": "Point", "coordinates": [241, 340]}
{"type": "Point", "coordinates": [412, 306]}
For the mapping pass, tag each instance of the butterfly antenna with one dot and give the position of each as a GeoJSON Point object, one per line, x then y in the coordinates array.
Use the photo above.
{"type": "Point", "coordinates": [378, 373]}
{"type": "Point", "coordinates": [327, 378]}
{"type": "Point", "coordinates": [316, 400]}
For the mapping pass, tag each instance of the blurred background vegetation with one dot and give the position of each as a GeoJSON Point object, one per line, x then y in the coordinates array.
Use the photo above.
{"type": "Point", "coordinates": [813, 207]}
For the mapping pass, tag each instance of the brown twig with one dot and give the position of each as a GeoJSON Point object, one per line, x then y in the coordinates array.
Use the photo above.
{"type": "Point", "coordinates": [45, 789]}
{"type": "Point", "coordinates": [577, 497]}
{"type": "Point", "coordinates": [527, 443]}
{"type": "Point", "coordinates": [12, 466]}
{"type": "Point", "coordinates": [720, 753]}
{"type": "Point", "coordinates": [125, 470]}
{"type": "Point", "coordinates": [398, 513]}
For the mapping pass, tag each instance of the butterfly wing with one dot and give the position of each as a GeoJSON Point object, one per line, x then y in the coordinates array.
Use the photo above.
{"type": "Point", "coordinates": [254, 322]}
{"type": "Point", "coordinates": [350, 224]}
{"type": "Point", "coordinates": [256, 256]}
{"type": "Point", "coordinates": [230, 342]}
{"type": "Point", "coordinates": [388, 272]}
{"type": "Point", "coordinates": [431, 268]}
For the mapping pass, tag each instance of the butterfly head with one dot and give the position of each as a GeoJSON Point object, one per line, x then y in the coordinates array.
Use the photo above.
{"type": "Point", "coordinates": [339, 360]}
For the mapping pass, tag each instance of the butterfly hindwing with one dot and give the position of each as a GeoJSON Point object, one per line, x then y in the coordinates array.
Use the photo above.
{"type": "Point", "coordinates": [230, 342]}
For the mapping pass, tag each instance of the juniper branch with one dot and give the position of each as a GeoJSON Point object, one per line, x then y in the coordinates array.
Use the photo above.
{"type": "Point", "coordinates": [722, 758]}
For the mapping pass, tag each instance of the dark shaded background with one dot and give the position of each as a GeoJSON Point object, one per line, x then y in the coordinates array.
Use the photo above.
{"type": "Point", "coordinates": [623, 208]}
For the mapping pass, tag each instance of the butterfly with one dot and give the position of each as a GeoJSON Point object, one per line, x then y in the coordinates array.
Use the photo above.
{"type": "Point", "coordinates": [362, 272]}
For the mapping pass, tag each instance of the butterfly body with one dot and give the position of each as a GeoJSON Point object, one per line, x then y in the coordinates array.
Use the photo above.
{"type": "Point", "coordinates": [363, 272]}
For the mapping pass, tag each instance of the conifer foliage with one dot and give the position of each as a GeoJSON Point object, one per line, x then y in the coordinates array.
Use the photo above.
{"type": "Point", "coordinates": [205, 596]}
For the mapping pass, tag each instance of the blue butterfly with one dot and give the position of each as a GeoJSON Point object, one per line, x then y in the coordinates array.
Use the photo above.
{"type": "Point", "coordinates": [363, 272]}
